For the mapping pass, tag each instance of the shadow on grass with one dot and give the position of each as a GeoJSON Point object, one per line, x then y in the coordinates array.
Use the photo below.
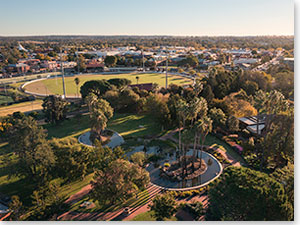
{"type": "Point", "coordinates": [22, 188]}
{"type": "Point", "coordinates": [72, 127]}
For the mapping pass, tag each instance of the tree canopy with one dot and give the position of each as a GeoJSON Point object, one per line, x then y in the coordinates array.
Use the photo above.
{"type": "Point", "coordinates": [164, 206]}
{"type": "Point", "coordinates": [98, 87]}
{"type": "Point", "coordinates": [242, 194]}
{"type": "Point", "coordinates": [55, 108]}
{"type": "Point", "coordinates": [119, 181]}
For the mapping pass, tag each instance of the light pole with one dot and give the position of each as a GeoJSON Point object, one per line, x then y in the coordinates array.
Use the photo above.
{"type": "Point", "coordinates": [143, 60]}
{"type": "Point", "coordinates": [62, 74]}
{"type": "Point", "coordinates": [167, 70]}
{"type": "Point", "coordinates": [77, 61]}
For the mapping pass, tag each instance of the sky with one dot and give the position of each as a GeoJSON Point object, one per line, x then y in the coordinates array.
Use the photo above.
{"type": "Point", "coordinates": [147, 17]}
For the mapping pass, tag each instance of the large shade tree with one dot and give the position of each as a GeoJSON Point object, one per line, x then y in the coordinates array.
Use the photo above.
{"type": "Point", "coordinates": [55, 108]}
{"type": "Point", "coordinates": [119, 181]}
{"type": "Point", "coordinates": [28, 141]}
{"type": "Point", "coordinates": [269, 104]}
{"type": "Point", "coordinates": [242, 194]}
{"type": "Point", "coordinates": [163, 206]}
{"type": "Point", "coordinates": [98, 87]}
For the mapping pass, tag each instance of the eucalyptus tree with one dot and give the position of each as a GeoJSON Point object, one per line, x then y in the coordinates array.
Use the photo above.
{"type": "Point", "coordinates": [55, 108]}
{"type": "Point", "coordinates": [34, 155]}
{"type": "Point", "coordinates": [271, 104]}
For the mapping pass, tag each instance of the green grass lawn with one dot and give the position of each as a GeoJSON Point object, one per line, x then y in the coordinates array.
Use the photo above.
{"type": "Point", "coordinates": [14, 185]}
{"type": "Point", "coordinates": [22, 107]}
{"type": "Point", "coordinates": [5, 99]}
{"type": "Point", "coordinates": [24, 187]}
{"type": "Point", "coordinates": [54, 86]}
{"type": "Point", "coordinates": [69, 128]}
{"type": "Point", "coordinates": [127, 125]}
{"type": "Point", "coordinates": [149, 216]}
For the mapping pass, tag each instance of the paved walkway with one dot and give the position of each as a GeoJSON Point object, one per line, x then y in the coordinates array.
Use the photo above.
{"type": "Point", "coordinates": [115, 140]}
{"type": "Point", "coordinates": [136, 208]}
{"type": "Point", "coordinates": [76, 197]}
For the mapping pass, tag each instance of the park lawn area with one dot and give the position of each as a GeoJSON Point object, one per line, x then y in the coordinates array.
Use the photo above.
{"type": "Point", "coordinates": [14, 185]}
{"type": "Point", "coordinates": [5, 99]}
{"type": "Point", "coordinates": [125, 124]}
{"type": "Point", "coordinates": [71, 127]}
{"type": "Point", "coordinates": [18, 84]}
{"type": "Point", "coordinates": [131, 125]}
{"type": "Point", "coordinates": [149, 216]}
{"type": "Point", "coordinates": [22, 107]}
{"type": "Point", "coordinates": [24, 187]}
{"type": "Point", "coordinates": [54, 85]}
{"type": "Point", "coordinates": [73, 187]}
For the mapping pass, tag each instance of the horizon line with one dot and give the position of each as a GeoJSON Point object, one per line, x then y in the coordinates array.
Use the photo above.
{"type": "Point", "coordinates": [143, 35]}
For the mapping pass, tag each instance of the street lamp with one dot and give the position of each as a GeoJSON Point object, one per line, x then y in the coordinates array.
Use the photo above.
{"type": "Point", "coordinates": [167, 70]}
{"type": "Point", "coordinates": [63, 76]}
{"type": "Point", "coordinates": [143, 60]}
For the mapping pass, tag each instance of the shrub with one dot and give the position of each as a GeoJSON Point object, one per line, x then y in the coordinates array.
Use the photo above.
{"type": "Point", "coordinates": [34, 114]}
{"type": "Point", "coordinates": [209, 162]}
{"type": "Point", "coordinates": [154, 157]}
{"type": "Point", "coordinates": [138, 158]}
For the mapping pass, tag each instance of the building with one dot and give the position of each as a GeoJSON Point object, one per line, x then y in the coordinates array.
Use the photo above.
{"type": "Point", "coordinates": [289, 61]}
{"type": "Point", "coordinates": [49, 65]}
{"type": "Point", "coordinates": [245, 61]}
{"type": "Point", "coordinates": [146, 86]}
{"type": "Point", "coordinates": [250, 123]}
{"type": "Point", "coordinates": [19, 68]}
{"type": "Point", "coordinates": [94, 66]}
{"type": "Point", "coordinates": [122, 69]}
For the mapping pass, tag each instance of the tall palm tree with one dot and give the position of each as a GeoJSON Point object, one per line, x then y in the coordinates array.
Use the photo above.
{"type": "Point", "coordinates": [204, 126]}
{"type": "Point", "coordinates": [91, 99]}
{"type": "Point", "coordinates": [77, 81]}
{"type": "Point", "coordinates": [182, 109]}
{"type": "Point", "coordinates": [98, 121]}
{"type": "Point", "coordinates": [199, 107]}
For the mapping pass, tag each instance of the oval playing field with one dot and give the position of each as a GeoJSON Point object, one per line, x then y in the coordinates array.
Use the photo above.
{"type": "Point", "coordinates": [54, 85]}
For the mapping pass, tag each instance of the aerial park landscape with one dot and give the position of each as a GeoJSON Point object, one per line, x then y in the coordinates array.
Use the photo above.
{"type": "Point", "coordinates": [148, 127]}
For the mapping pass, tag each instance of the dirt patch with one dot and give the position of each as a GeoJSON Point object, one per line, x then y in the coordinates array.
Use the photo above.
{"type": "Point", "coordinates": [37, 87]}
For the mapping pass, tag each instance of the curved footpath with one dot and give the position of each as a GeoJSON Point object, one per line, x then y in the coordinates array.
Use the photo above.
{"type": "Point", "coordinates": [115, 140]}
